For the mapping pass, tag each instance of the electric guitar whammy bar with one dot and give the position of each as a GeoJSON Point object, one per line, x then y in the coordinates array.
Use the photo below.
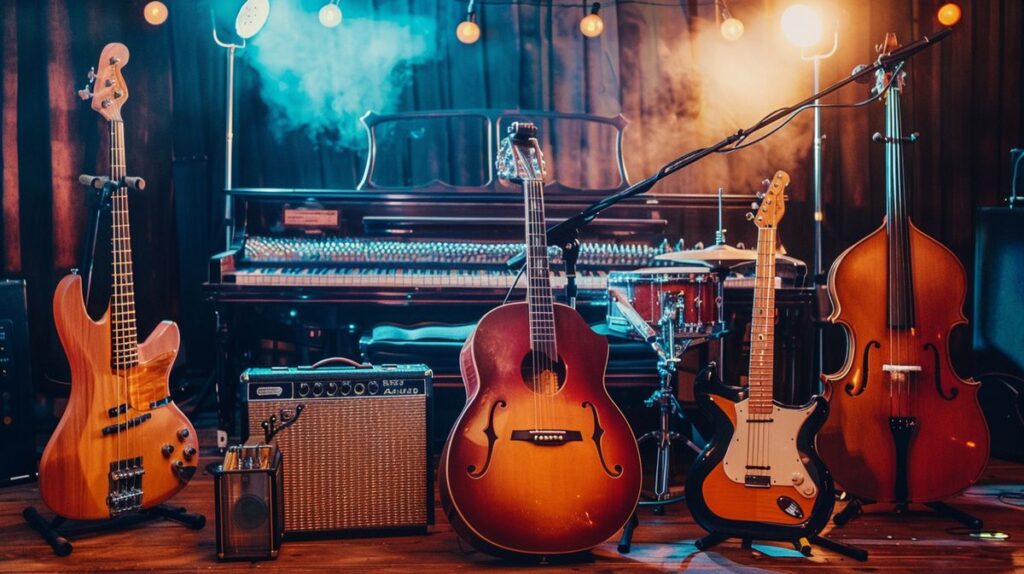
{"type": "Point", "coordinates": [122, 445]}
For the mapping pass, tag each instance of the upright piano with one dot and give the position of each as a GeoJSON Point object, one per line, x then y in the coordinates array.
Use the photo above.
{"type": "Point", "coordinates": [420, 247]}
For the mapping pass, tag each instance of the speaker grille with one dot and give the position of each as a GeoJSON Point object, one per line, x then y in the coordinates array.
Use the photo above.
{"type": "Point", "coordinates": [356, 463]}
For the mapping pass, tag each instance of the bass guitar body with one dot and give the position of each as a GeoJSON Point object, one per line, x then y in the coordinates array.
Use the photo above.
{"type": "Point", "coordinates": [540, 472]}
{"type": "Point", "coordinates": [90, 448]}
{"type": "Point", "coordinates": [932, 442]}
{"type": "Point", "coordinates": [121, 445]}
{"type": "Point", "coordinates": [791, 500]}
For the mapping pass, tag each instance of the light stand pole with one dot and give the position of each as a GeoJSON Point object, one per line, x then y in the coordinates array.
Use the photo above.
{"type": "Point", "coordinates": [228, 137]}
{"type": "Point", "coordinates": [819, 278]}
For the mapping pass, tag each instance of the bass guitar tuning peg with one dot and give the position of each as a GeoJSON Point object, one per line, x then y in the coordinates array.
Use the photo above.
{"type": "Point", "coordinates": [86, 92]}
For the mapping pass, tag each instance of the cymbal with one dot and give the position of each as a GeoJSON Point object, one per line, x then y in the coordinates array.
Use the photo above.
{"type": "Point", "coordinates": [719, 256]}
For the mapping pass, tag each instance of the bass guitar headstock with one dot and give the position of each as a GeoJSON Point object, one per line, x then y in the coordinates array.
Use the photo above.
{"type": "Point", "coordinates": [107, 87]}
{"type": "Point", "coordinates": [519, 156]}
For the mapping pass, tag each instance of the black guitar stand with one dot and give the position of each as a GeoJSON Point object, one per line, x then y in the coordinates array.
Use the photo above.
{"type": "Point", "coordinates": [56, 536]}
{"type": "Point", "coordinates": [802, 545]}
{"type": "Point", "coordinates": [856, 507]}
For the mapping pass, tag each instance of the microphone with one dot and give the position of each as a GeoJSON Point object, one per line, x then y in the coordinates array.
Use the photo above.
{"type": "Point", "coordinates": [864, 78]}
{"type": "Point", "coordinates": [900, 54]}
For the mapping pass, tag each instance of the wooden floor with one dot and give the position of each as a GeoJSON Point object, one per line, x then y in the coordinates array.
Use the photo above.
{"type": "Point", "coordinates": [917, 542]}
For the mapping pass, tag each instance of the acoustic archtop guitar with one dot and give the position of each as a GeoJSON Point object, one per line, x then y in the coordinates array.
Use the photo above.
{"type": "Point", "coordinates": [121, 445]}
{"type": "Point", "coordinates": [759, 477]}
{"type": "Point", "coordinates": [541, 461]}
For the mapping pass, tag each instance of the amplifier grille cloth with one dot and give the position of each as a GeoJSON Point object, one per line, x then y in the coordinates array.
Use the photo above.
{"type": "Point", "coordinates": [352, 463]}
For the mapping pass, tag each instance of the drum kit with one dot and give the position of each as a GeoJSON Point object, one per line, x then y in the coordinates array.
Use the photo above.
{"type": "Point", "coordinates": [672, 308]}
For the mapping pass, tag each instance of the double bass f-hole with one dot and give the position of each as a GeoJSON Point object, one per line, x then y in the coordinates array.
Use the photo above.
{"type": "Point", "coordinates": [954, 392]}
{"type": "Point", "coordinates": [853, 388]}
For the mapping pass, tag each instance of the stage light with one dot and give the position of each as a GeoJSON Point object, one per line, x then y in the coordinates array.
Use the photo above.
{"type": "Point", "coordinates": [732, 29]}
{"type": "Point", "coordinates": [468, 31]}
{"type": "Point", "coordinates": [592, 24]}
{"type": "Point", "coordinates": [330, 14]}
{"type": "Point", "coordinates": [802, 25]}
{"type": "Point", "coordinates": [155, 12]}
{"type": "Point", "coordinates": [252, 16]}
{"type": "Point", "coordinates": [949, 14]}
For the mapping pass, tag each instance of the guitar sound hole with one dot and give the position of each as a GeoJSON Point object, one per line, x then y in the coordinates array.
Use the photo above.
{"type": "Point", "coordinates": [541, 374]}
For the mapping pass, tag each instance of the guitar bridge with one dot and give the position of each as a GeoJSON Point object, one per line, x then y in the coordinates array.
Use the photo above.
{"type": "Point", "coordinates": [547, 437]}
{"type": "Point", "coordinates": [124, 486]}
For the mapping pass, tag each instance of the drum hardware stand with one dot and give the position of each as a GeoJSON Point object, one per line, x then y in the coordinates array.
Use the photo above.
{"type": "Point", "coordinates": [56, 537]}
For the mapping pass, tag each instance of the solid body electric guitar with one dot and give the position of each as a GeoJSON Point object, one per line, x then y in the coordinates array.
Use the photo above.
{"type": "Point", "coordinates": [904, 427]}
{"type": "Point", "coordinates": [759, 476]}
{"type": "Point", "coordinates": [121, 444]}
{"type": "Point", "coordinates": [541, 461]}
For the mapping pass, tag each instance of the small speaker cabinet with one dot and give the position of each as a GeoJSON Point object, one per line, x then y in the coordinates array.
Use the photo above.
{"type": "Point", "coordinates": [249, 503]}
{"type": "Point", "coordinates": [358, 449]}
{"type": "Point", "coordinates": [17, 428]}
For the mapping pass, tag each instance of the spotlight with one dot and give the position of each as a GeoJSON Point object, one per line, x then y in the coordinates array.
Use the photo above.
{"type": "Point", "coordinates": [330, 14]}
{"type": "Point", "coordinates": [592, 24]}
{"type": "Point", "coordinates": [155, 12]}
{"type": "Point", "coordinates": [802, 25]}
{"type": "Point", "coordinates": [949, 14]}
{"type": "Point", "coordinates": [468, 31]}
{"type": "Point", "coordinates": [731, 28]}
{"type": "Point", "coordinates": [252, 16]}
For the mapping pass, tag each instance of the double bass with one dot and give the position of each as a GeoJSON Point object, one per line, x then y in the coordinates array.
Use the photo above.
{"type": "Point", "coordinates": [122, 444]}
{"type": "Point", "coordinates": [904, 427]}
{"type": "Point", "coordinates": [541, 461]}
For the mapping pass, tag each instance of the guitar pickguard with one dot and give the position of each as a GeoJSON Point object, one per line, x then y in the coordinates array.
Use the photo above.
{"type": "Point", "coordinates": [778, 439]}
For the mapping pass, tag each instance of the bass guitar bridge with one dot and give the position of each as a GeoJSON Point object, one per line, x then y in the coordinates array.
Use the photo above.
{"type": "Point", "coordinates": [125, 486]}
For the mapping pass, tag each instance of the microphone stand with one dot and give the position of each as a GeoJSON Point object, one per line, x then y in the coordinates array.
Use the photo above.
{"type": "Point", "coordinates": [566, 233]}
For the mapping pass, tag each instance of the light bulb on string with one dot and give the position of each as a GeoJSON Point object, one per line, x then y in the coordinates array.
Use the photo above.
{"type": "Point", "coordinates": [949, 14]}
{"type": "Point", "coordinates": [468, 31]}
{"type": "Point", "coordinates": [155, 12]}
{"type": "Point", "coordinates": [592, 24]}
{"type": "Point", "coordinates": [330, 15]}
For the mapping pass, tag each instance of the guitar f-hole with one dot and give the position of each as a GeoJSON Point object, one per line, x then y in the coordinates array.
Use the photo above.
{"type": "Point", "coordinates": [491, 438]}
{"type": "Point", "coordinates": [596, 437]}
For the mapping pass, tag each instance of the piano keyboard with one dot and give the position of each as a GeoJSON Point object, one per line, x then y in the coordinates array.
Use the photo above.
{"type": "Point", "coordinates": [403, 278]}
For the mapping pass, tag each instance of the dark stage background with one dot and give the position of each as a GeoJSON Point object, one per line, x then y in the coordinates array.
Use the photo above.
{"type": "Point", "coordinates": [679, 84]}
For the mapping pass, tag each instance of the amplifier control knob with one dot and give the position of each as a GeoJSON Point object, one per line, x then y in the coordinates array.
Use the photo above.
{"type": "Point", "coordinates": [318, 389]}
{"type": "Point", "coordinates": [359, 388]}
{"type": "Point", "coordinates": [183, 434]}
{"type": "Point", "coordinates": [373, 387]}
{"type": "Point", "coordinates": [332, 389]}
{"type": "Point", "coordinates": [346, 389]}
{"type": "Point", "coordinates": [189, 452]}
{"type": "Point", "coordinates": [303, 389]}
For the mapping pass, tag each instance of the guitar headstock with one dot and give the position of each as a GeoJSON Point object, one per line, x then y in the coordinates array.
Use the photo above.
{"type": "Point", "coordinates": [519, 156]}
{"type": "Point", "coordinates": [883, 77]}
{"type": "Point", "coordinates": [773, 202]}
{"type": "Point", "coordinates": [109, 90]}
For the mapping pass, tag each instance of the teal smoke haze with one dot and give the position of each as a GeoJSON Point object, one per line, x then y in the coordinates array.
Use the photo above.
{"type": "Point", "coordinates": [321, 80]}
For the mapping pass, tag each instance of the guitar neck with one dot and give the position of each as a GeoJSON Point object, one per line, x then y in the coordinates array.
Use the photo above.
{"type": "Point", "coordinates": [124, 339]}
{"type": "Point", "coordinates": [538, 292]}
{"type": "Point", "coordinates": [762, 327]}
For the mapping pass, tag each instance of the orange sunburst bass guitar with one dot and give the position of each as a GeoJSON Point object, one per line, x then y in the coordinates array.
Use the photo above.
{"type": "Point", "coordinates": [541, 461]}
{"type": "Point", "coordinates": [759, 476]}
{"type": "Point", "coordinates": [122, 444]}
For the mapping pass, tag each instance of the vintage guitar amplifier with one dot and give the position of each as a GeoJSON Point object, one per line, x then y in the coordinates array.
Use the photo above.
{"type": "Point", "coordinates": [358, 450]}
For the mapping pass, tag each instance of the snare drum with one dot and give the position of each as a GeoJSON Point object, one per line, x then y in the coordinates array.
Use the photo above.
{"type": "Point", "coordinates": [688, 294]}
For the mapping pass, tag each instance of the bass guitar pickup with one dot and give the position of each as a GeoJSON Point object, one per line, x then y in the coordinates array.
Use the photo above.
{"type": "Point", "coordinates": [113, 429]}
{"type": "Point", "coordinates": [547, 437]}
